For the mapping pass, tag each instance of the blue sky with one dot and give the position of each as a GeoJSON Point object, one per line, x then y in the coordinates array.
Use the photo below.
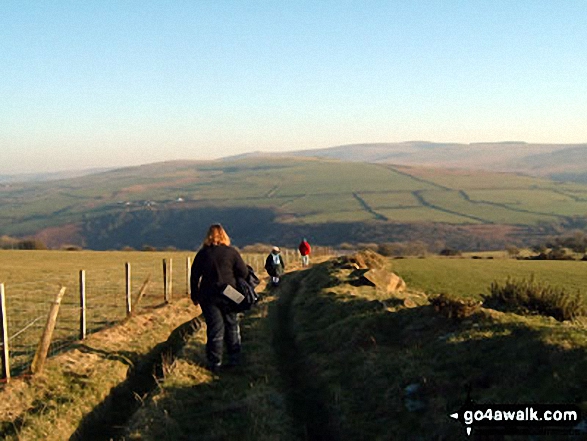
{"type": "Point", "coordinates": [114, 83]}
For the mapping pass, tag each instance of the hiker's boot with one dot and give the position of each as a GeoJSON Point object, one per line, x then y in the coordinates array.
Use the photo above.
{"type": "Point", "coordinates": [214, 367]}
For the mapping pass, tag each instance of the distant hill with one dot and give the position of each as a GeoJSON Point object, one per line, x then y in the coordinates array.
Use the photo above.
{"type": "Point", "coordinates": [535, 159]}
{"type": "Point", "coordinates": [49, 176]}
{"type": "Point", "coordinates": [280, 199]}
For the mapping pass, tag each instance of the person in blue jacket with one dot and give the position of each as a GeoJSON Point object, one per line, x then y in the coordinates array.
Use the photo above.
{"type": "Point", "coordinates": [275, 266]}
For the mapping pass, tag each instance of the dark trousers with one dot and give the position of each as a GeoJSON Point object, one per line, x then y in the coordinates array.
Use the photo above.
{"type": "Point", "coordinates": [221, 326]}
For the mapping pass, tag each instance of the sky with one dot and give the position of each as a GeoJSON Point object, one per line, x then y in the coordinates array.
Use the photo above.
{"type": "Point", "coordinates": [125, 82]}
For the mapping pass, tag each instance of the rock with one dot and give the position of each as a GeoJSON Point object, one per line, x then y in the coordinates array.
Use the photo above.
{"type": "Point", "coordinates": [386, 280]}
{"type": "Point", "coordinates": [363, 260]}
{"type": "Point", "coordinates": [409, 303]}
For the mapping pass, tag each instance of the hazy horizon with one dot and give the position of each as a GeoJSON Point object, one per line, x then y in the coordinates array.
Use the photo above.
{"type": "Point", "coordinates": [110, 84]}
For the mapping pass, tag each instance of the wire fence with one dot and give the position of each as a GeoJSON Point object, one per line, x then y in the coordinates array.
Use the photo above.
{"type": "Point", "coordinates": [28, 303]}
{"type": "Point", "coordinates": [105, 288]}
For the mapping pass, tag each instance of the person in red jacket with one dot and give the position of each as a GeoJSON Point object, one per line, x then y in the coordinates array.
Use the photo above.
{"type": "Point", "coordinates": [305, 251]}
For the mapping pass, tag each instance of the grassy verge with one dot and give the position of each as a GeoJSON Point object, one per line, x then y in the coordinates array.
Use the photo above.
{"type": "Point", "coordinates": [325, 357]}
{"type": "Point", "coordinates": [56, 403]}
{"type": "Point", "coordinates": [244, 403]}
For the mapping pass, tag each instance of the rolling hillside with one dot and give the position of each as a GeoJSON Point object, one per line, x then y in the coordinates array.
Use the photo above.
{"type": "Point", "coordinates": [280, 199]}
{"type": "Point", "coordinates": [561, 161]}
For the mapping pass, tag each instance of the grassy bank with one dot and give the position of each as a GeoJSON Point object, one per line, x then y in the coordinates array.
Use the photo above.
{"type": "Point", "coordinates": [389, 372]}
{"type": "Point", "coordinates": [81, 385]}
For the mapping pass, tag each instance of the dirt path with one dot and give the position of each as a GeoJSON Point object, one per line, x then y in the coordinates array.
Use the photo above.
{"type": "Point", "coordinates": [305, 395]}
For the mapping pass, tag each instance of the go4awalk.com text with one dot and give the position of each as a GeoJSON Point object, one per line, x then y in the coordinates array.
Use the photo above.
{"type": "Point", "coordinates": [519, 418]}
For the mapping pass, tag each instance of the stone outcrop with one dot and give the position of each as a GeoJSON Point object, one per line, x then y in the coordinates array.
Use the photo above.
{"type": "Point", "coordinates": [385, 280]}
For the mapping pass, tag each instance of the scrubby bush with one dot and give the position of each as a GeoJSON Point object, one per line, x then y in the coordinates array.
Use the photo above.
{"type": "Point", "coordinates": [31, 244]}
{"type": "Point", "coordinates": [412, 248]}
{"type": "Point", "coordinates": [257, 248]}
{"type": "Point", "coordinates": [149, 248]}
{"type": "Point", "coordinates": [512, 250]}
{"type": "Point", "coordinates": [454, 307]}
{"type": "Point", "coordinates": [450, 252]}
{"type": "Point", "coordinates": [69, 247]}
{"type": "Point", "coordinates": [556, 254]}
{"type": "Point", "coordinates": [7, 242]}
{"type": "Point", "coordinates": [527, 296]}
{"type": "Point", "coordinates": [576, 241]}
{"type": "Point", "coordinates": [390, 249]}
{"type": "Point", "coordinates": [368, 246]}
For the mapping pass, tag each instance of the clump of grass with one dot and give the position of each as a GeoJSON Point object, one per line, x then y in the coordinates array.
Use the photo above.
{"type": "Point", "coordinates": [454, 307]}
{"type": "Point", "coordinates": [527, 296]}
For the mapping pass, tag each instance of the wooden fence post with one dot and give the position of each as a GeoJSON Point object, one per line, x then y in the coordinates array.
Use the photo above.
{"type": "Point", "coordinates": [82, 304]}
{"type": "Point", "coordinates": [170, 279]}
{"type": "Point", "coordinates": [165, 293]}
{"type": "Point", "coordinates": [4, 322]}
{"type": "Point", "coordinates": [45, 342]}
{"type": "Point", "coordinates": [128, 290]}
{"type": "Point", "coordinates": [188, 275]}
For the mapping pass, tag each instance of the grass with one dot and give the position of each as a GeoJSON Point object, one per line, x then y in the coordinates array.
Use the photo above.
{"type": "Point", "coordinates": [365, 356]}
{"type": "Point", "coordinates": [33, 278]}
{"type": "Point", "coordinates": [326, 357]}
{"type": "Point", "coordinates": [382, 200]}
{"type": "Point", "coordinates": [472, 278]}
{"type": "Point", "coordinates": [245, 403]}
{"type": "Point", "coordinates": [54, 404]}
{"type": "Point", "coordinates": [454, 200]}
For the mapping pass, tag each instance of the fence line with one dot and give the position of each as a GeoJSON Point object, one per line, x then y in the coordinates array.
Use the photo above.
{"type": "Point", "coordinates": [101, 301]}
{"type": "Point", "coordinates": [95, 298]}
{"type": "Point", "coordinates": [104, 297]}
{"type": "Point", "coordinates": [4, 324]}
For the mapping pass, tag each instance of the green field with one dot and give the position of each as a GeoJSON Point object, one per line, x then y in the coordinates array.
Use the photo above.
{"type": "Point", "coordinates": [472, 277]}
{"type": "Point", "coordinates": [302, 191]}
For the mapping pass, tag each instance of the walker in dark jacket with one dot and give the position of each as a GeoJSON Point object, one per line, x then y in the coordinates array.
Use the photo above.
{"type": "Point", "coordinates": [214, 267]}
{"type": "Point", "coordinates": [275, 266]}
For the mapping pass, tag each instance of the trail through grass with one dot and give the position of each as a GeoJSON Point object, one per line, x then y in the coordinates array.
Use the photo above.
{"type": "Point", "coordinates": [327, 357]}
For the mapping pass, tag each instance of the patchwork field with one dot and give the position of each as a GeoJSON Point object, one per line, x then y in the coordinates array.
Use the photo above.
{"type": "Point", "coordinates": [283, 191]}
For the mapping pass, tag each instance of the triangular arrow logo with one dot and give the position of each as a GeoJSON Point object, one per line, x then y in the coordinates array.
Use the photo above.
{"type": "Point", "coordinates": [455, 416]}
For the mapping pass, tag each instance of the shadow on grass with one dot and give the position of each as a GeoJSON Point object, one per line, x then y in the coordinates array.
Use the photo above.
{"type": "Point", "coordinates": [387, 374]}
{"type": "Point", "coordinates": [240, 402]}
{"type": "Point", "coordinates": [107, 420]}
{"type": "Point", "coordinates": [349, 367]}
